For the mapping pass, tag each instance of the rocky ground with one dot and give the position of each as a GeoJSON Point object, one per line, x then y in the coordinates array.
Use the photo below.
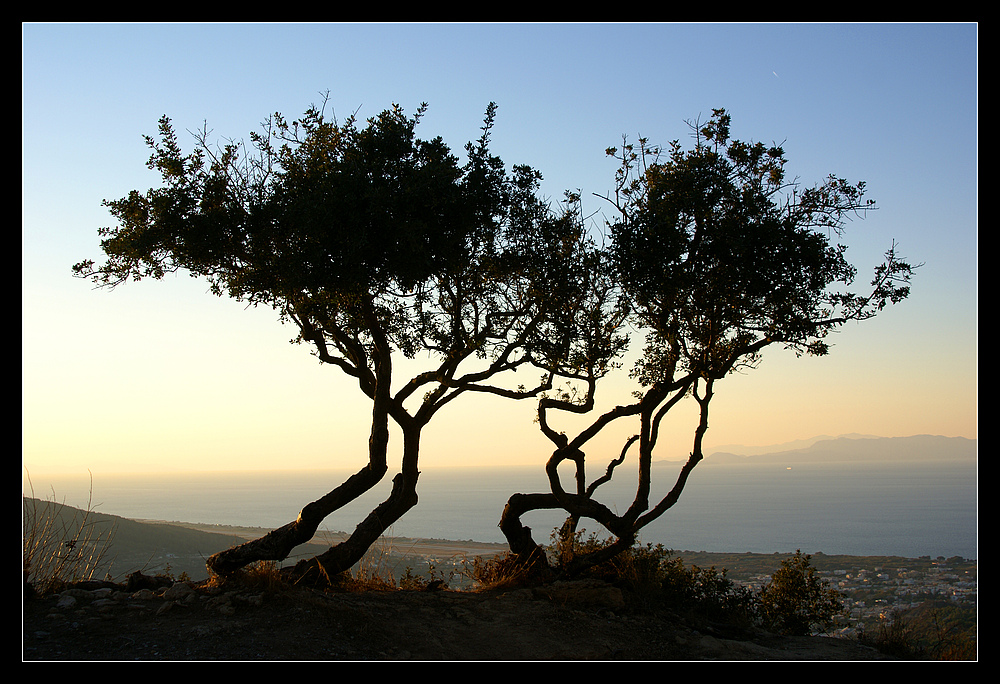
{"type": "Point", "coordinates": [571, 621]}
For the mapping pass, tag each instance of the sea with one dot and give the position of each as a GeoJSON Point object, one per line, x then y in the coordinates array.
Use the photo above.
{"type": "Point", "coordinates": [896, 508]}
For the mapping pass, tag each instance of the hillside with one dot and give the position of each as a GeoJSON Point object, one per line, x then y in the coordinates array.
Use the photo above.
{"type": "Point", "coordinates": [147, 546]}
{"type": "Point", "coordinates": [571, 621]}
{"type": "Point", "coordinates": [201, 621]}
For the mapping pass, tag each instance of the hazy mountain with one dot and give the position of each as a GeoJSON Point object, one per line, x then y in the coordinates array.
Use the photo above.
{"type": "Point", "coordinates": [847, 448]}
{"type": "Point", "coordinates": [742, 450]}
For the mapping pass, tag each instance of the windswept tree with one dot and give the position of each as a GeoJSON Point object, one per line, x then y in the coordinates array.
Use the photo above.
{"type": "Point", "coordinates": [718, 257]}
{"type": "Point", "coordinates": [376, 245]}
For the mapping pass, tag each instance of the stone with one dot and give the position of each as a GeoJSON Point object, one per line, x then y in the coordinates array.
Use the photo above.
{"type": "Point", "coordinates": [178, 592]}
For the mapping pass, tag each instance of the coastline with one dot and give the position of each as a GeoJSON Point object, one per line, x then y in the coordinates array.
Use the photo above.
{"type": "Point", "coordinates": [406, 546]}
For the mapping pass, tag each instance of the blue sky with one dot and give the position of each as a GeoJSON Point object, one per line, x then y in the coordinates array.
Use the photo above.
{"type": "Point", "coordinates": [163, 375]}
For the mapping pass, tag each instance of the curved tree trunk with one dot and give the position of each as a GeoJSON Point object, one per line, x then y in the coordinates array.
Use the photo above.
{"type": "Point", "coordinates": [278, 543]}
{"type": "Point", "coordinates": [519, 538]}
{"type": "Point", "coordinates": [341, 557]}
{"type": "Point", "coordinates": [625, 527]}
{"type": "Point", "coordinates": [402, 498]}
{"type": "Point", "coordinates": [344, 555]}
{"type": "Point", "coordinates": [527, 552]}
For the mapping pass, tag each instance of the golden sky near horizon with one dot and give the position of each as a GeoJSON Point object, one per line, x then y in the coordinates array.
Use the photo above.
{"type": "Point", "coordinates": [181, 380]}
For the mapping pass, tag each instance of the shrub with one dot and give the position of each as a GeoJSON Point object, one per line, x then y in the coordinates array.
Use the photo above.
{"type": "Point", "coordinates": [636, 568]}
{"type": "Point", "coordinates": [264, 576]}
{"type": "Point", "coordinates": [892, 635]}
{"type": "Point", "coordinates": [796, 601]}
{"type": "Point", "coordinates": [432, 580]}
{"type": "Point", "coordinates": [654, 576]}
{"type": "Point", "coordinates": [708, 591]}
{"type": "Point", "coordinates": [500, 571]}
{"type": "Point", "coordinates": [934, 630]}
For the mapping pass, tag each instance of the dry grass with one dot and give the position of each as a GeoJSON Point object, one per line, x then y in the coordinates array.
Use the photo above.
{"type": "Point", "coordinates": [262, 576]}
{"type": "Point", "coordinates": [61, 544]}
{"type": "Point", "coordinates": [373, 572]}
{"type": "Point", "coordinates": [501, 571]}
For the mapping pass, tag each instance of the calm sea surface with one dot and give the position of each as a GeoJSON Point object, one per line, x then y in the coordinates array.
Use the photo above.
{"type": "Point", "coordinates": [895, 508]}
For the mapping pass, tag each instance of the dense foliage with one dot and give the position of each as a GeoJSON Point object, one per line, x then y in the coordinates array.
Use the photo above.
{"type": "Point", "coordinates": [374, 243]}
{"type": "Point", "coordinates": [717, 257]}
{"type": "Point", "coordinates": [797, 601]}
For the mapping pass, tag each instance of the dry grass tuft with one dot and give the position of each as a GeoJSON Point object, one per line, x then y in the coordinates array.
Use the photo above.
{"type": "Point", "coordinates": [60, 544]}
{"type": "Point", "coordinates": [501, 571]}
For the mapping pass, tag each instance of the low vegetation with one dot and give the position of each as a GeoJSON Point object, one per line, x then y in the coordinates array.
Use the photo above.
{"type": "Point", "coordinates": [61, 544]}
{"type": "Point", "coordinates": [797, 601]}
{"type": "Point", "coordinates": [794, 602]}
{"type": "Point", "coordinates": [932, 631]}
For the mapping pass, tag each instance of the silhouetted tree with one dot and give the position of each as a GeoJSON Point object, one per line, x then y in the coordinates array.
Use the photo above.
{"type": "Point", "coordinates": [376, 245]}
{"type": "Point", "coordinates": [717, 257]}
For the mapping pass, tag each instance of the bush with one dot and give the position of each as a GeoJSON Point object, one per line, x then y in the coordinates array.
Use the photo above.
{"type": "Point", "coordinates": [636, 569]}
{"type": "Point", "coordinates": [796, 601]}
{"type": "Point", "coordinates": [892, 635]}
{"type": "Point", "coordinates": [654, 576]}
{"type": "Point", "coordinates": [934, 630]}
{"type": "Point", "coordinates": [500, 571]}
{"type": "Point", "coordinates": [708, 591]}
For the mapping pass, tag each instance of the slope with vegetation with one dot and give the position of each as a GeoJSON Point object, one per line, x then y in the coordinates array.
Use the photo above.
{"type": "Point", "coordinates": [645, 603]}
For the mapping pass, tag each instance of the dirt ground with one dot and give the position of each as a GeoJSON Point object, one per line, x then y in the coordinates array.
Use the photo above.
{"type": "Point", "coordinates": [300, 624]}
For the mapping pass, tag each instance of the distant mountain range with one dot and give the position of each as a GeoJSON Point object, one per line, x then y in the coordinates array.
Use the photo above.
{"type": "Point", "coordinates": [853, 447]}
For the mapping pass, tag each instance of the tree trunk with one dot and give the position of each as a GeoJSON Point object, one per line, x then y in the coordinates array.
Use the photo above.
{"type": "Point", "coordinates": [528, 554]}
{"type": "Point", "coordinates": [344, 555]}
{"type": "Point", "coordinates": [519, 537]}
{"type": "Point", "coordinates": [277, 544]}
{"type": "Point", "coordinates": [402, 498]}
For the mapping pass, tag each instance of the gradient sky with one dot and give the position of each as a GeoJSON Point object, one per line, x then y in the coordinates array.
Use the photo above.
{"type": "Point", "coordinates": [164, 376]}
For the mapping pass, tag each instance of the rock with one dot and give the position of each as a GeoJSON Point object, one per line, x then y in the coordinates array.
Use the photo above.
{"type": "Point", "coordinates": [137, 581]}
{"type": "Point", "coordinates": [178, 592]}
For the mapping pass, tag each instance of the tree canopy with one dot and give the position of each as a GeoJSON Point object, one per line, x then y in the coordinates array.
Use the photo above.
{"type": "Point", "coordinates": [374, 243]}
{"type": "Point", "coordinates": [717, 257]}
